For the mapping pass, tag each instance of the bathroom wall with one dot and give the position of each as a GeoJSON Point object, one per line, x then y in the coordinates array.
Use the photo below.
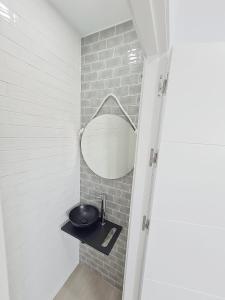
{"type": "Point", "coordinates": [197, 21]}
{"type": "Point", "coordinates": [112, 62]}
{"type": "Point", "coordinates": [39, 152]}
{"type": "Point", "coordinates": [4, 287]}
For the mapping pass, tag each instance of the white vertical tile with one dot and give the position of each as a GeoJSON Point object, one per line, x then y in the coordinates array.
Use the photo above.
{"type": "Point", "coordinates": [39, 151]}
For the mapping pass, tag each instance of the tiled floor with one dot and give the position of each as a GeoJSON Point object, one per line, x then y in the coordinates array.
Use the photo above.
{"type": "Point", "coordinates": [85, 284]}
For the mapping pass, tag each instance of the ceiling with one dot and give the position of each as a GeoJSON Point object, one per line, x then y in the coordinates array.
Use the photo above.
{"type": "Point", "coordinates": [89, 16]}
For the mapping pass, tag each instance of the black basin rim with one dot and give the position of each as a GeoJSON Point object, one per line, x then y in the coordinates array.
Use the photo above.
{"type": "Point", "coordinates": [84, 215]}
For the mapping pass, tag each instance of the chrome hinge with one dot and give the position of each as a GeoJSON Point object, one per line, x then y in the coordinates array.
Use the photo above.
{"type": "Point", "coordinates": [145, 223]}
{"type": "Point", "coordinates": [163, 80]}
{"type": "Point", "coordinates": [153, 157]}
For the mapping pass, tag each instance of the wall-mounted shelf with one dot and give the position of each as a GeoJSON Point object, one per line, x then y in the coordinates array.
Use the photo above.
{"type": "Point", "coordinates": [96, 236]}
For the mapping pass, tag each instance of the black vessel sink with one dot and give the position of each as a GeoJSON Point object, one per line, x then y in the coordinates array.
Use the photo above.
{"type": "Point", "coordinates": [84, 215]}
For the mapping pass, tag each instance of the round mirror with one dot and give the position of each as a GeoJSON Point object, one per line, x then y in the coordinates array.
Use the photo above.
{"type": "Point", "coordinates": [108, 146]}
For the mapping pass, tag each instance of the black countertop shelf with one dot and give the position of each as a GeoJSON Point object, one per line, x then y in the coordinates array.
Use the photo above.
{"type": "Point", "coordinates": [95, 235]}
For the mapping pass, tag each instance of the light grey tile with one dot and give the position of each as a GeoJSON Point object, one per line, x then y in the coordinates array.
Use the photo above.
{"type": "Point", "coordinates": [82, 59]}
{"type": "Point", "coordinates": [90, 76]}
{"type": "Point", "coordinates": [89, 110]}
{"type": "Point", "coordinates": [85, 86]}
{"type": "Point", "coordinates": [133, 109]}
{"type": "Point", "coordinates": [124, 27]}
{"type": "Point", "coordinates": [113, 62]}
{"type": "Point", "coordinates": [90, 39]}
{"type": "Point", "coordinates": [125, 210]}
{"type": "Point", "coordinates": [120, 71]}
{"type": "Point", "coordinates": [135, 89]}
{"type": "Point", "coordinates": [115, 41]}
{"type": "Point", "coordinates": [105, 74]}
{"type": "Point", "coordinates": [133, 58]}
{"type": "Point", "coordinates": [136, 68]}
{"type": "Point", "coordinates": [130, 36]}
{"type": "Point", "coordinates": [135, 45]}
{"type": "Point", "coordinates": [106, 54]}
{"type": "Point", "coordinates": [109, 32]}
{"type": "Point", "coordinates": [86, 68]}
{"type": "Point", "coordinates": [90, 94]}
{"type": "Point", "coordinates": [85, 102]}
{"type": "Point", "coordinates": [121, 91]}
{"type": "Point", "coordinates": [130, 79]}
{"type": "Point", "coordinates": [89, 58]}
{"type": "Point", "coordinates": [122, 50]}
{"type": "Point", "coordinates": [132, 100]}
{"type": "Point", "coordinates": [104, 93]}
{"type": "Point", "coordinates": [99, 65]}
{"type": "Point", "coordinates": [116, 111]}
{"type": "Point", "coordinates": [98, 46]}
{"type": "Point", "coordinates": [140, 76]}
{"type": "Point", "coordinates": [97, 85]}
{"type": "Point", "coordinates": [86, 49]}
{"type": "Point", "coordinates": [112, 83]}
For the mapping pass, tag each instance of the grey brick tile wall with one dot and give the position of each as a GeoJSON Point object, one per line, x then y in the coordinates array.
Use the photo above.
{"type": "Point", "coordinates": [112, 62]}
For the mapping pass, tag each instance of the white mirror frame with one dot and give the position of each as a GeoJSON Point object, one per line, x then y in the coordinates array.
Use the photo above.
{"type": "Point", "coordinates": [108, 146]}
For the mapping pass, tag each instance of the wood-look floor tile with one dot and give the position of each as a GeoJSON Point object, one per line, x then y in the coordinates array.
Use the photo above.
{"type": "Point", "coordinates": [86, 284]}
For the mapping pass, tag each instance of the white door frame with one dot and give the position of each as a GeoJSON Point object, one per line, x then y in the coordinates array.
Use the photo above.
{"type": "Point", "coordinates": [151, 18]}
{"type": "Point", "coordinates": [149, 126]}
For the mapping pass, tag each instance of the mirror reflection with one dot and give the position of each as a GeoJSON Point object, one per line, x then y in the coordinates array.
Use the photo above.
{"type": "Point", "coordinates": [108, 146]}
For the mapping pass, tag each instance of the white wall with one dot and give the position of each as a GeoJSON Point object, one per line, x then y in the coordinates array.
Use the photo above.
{"type": "Point", "coordinates": [197, 21]}
{"type": "Point", "coordinates": [4, 289]}
{"type": "Point", "coordinates": [39, 151]}
{"type": "Point", "coordinates": [141, 188]}
{"type": "Point", "coordinates": [186, 241]}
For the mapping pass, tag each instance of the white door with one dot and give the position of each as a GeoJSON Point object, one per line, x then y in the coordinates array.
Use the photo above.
{"type": "Point", "coordinates": [185, 256]}
{"type": "Point", "coordinates": [150, 115]}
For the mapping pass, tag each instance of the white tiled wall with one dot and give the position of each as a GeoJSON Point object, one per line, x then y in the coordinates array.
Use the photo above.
{"type": "Point", "coordinates": [186, 251]}
{"type": "Point", "coordinates": [39, 150]}
{"type": "Point", "coordinates": [4, 291]}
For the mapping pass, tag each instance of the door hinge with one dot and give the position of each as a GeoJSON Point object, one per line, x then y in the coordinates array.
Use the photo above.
{"type": "Point", "coordinates": [145, 223]}
{"type": "Point", "coordinates": [163, 80]}
{"type": "Point", "coordinates": [153, 157]}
